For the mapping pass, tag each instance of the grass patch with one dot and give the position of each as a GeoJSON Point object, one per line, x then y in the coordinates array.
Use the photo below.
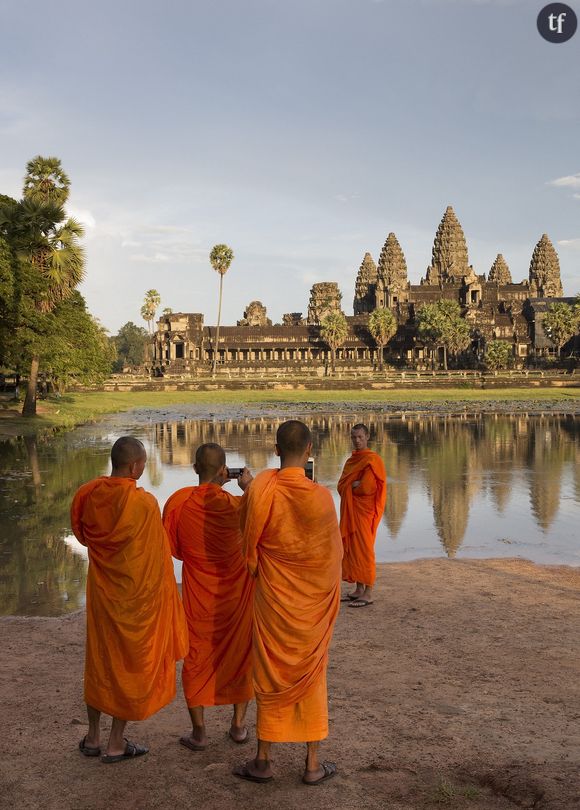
{"type": "Point", "coordinates": [446, 793]}
{"type": "Point", "coordinates": [78, 408]}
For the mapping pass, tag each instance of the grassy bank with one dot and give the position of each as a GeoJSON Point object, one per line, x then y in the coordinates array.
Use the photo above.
{"type": "Point", "coordinates": [76, 408]}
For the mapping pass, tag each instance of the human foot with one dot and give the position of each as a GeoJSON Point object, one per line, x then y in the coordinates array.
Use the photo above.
{"type": "Point", "coordinates": [239, 734]}
{"type": "Point", "coordinates": [255, 770]}
{"type": "Point", "coordinates": [326, 771]}
{"type": "Point", "coordinates": [195, 741]}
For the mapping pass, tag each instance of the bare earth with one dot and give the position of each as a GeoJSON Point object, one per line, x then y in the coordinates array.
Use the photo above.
{"type": "Point", "coordinates": [459, 687]}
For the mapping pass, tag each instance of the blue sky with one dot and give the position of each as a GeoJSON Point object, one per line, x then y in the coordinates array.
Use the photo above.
{"type": "Point", "coordinates": [299, 133]}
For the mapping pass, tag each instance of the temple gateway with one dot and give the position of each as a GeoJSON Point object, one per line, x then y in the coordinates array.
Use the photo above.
{"type": "Point", "coordinates": [496, 307]}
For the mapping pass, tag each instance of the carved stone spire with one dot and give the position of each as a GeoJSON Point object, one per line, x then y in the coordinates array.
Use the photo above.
{"type": "Point", "coordinates": [392, 269]}
{"type": "Point", "coordinates": [449, 260]}
{"type": "Point", "coordinates": [545, 281]}
{"type": "Point", "coordinates": [500, 272]}
{"type": "Point", "coordinates": [366, 282]}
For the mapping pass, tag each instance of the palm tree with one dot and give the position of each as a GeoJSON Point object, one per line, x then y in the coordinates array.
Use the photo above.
{"type": "Point", "coordinates": [334, 331]}
{"type": "Point", "coordinates": [382, 326]}
{"type": "Point", "coordinates": [220, 257]}
{"type": "Point", "coordinates": [49, 245]}
{"type": "Point", "coordinates": [46, 181]}
{"type": "Point", "coordinates": [149, 308]}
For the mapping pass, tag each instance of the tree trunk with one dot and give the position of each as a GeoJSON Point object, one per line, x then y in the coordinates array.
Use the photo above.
{"type": "Point", "coordinates": [445, 358]}
{"type": "Point", "coordinates": [217, 330]}
{"type": "Point", "coordinates": [333, 359]}
{"type": "Point", "coordinates": [381, 359]}
{"type": "Point", "coordinates": [29, 407]}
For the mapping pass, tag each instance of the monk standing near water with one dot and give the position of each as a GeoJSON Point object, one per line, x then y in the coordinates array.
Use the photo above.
{"type": "Point", "coordinates": [136, 627]}
{"type": "Point", "coordinates": [292, 546]}
{"type": "Point", "coordinates": [203, 524]}
{"type": "Point", "coordinates": [363, 493]}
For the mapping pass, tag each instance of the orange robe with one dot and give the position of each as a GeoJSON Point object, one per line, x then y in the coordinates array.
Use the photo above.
{"type": "Point", "coordinates": [203, 524]}
{"type": "Point", "coordinates": [292, 545]}
{"type": "Point", "coordinates": [360, 512]}
{"type": "Point", "coordinates": [136, 627]}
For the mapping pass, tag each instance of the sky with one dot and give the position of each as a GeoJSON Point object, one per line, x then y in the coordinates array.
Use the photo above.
{"type": "Point", "coordinates": [299, 133]}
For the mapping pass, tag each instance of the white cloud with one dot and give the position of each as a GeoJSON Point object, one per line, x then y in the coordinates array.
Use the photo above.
{"type": "Point", "coordinates": [576, 196]}
{"type": "Point", "coordinates": [148, 258]}
{"type": "Point", "coordinates": [569, 181]}
{"type": "Point", "coordinates": [84, 216]}
{"type": "Point", "coordinates": [570, 243]}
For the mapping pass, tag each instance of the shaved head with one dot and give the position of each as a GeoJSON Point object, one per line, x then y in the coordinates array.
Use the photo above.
{"type": "Point", "coordinates": [362, 427]}
{"type": "Point", "coordinates": [292, 438]}
{"type": "Point", "coordinates": [209, 459]}
{"type": "Point", "coordinates": [127, 451]}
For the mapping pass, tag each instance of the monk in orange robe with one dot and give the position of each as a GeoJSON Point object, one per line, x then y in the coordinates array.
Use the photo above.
{"type": "Point", "coordinates": [136, 626]}
{"type": "Point", "coordinates": [203, 524]}
{"type": "Point", "coordinates": [292, 546]}
{"type": "Point", "coordinates": [363, 492]}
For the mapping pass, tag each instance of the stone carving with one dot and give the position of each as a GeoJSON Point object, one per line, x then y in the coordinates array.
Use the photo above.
{"type": "Point", "coordinates": [500, 272]}
{"type": "Point", "coordinates": [449, 260]}
{"type": "Point", "coordinates": [545, 281]}
{"type": "Point", "coordinates": [292, 319]}
{"type": "Point", "coordinates": [392, 269]}
{"type": "Point", "coordinates": [255, 315]}
{"type": "Point", "coordinates": [325, 297]}
{"type": "Point", "coordinates": [365, 286]}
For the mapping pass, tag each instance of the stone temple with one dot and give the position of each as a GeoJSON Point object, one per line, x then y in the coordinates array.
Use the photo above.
{"type": "Point", "coordinates": [496, 308]}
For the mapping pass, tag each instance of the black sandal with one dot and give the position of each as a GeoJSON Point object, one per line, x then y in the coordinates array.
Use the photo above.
{"type": "Point", "coordinates": [131, 751]}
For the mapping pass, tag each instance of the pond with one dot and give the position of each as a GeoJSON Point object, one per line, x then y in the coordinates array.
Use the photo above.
{"type": "Point", "coordinates": [458, 486]}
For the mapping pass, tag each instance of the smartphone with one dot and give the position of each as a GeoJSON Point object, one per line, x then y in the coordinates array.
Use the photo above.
{"type": "Point", "coordinates": [235, 472]}
{"type": "Point", "coordinates": [309, 469]}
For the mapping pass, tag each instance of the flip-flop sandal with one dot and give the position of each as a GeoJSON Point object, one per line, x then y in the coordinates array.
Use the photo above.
{"type": "Point", "coordinates": [349, 598]}
{"type": "Point", "coordinates": [358, 603]}
{"type": "Point", "coordinates": [243, 741]}
{"type": "Point", "coordinates": [243, 773]}
{"type": "Point", "coordinates": [329, 769]}
{"type": "Point", "coordinates": [187, 742]}
{"type": "Point", "coordinates": [87, 750]}
{"type": "Point", "coordinates": [132, 750]}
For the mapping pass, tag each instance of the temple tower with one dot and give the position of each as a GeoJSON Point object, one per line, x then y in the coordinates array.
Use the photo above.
{"type": "Point", "coordinates": [365, 286]}
{"type": "Point", "coordinates": [449, 262]}
{"type": "Point", "coordinates": [500, 272]}
{"type": "Point", "coordinates": [392, 274]}
{"type": "Point", "coordinates": [545, 281]}
{"type": "Point", "coordinates": [255, 315]}
{"type": "Point", "coordinates": [325, 297]}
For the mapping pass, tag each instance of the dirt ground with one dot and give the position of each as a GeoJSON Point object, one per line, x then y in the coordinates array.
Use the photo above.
{"type": "Point", "coordinates": [459, 688]}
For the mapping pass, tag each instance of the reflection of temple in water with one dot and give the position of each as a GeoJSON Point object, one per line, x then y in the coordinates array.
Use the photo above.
{"type": "Point", "coordinates": [457, 458]}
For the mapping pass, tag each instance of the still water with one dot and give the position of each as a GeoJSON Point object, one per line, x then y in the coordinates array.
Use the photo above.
{"type": "Point", "coordinates": [458, 486]}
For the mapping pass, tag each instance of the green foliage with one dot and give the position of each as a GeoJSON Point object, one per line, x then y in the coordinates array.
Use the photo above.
{"type": "Point", "coordinates": [149, 308]}
{"type": "Point", "coordinates": [334, 331]}
{"type": "Point", "coordinates": [441, 324]}
{"type": "Point", "coordinates": [220, 258]}
{"type": "Point", "coordinates": [382, 326]}
{"type": "Point", "coordinates": [560, 323]}
{"type": "Point", "coordinates": [498, 354]}
{"type": "Point", "coordinates": [130, 345]}
{"type": "Point", "coordinates": [45, 181]}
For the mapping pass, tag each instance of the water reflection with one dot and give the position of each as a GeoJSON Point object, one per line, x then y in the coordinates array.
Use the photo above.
{"type": "Point", "coordinates": [472, 485]}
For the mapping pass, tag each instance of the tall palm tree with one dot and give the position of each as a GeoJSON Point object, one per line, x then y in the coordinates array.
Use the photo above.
{"type": "Point", "coordinates": [220, 257]}
{"type": "Point", "coordinates": [334, 331]}
{"type": "Point", "coordinates": [46, 181]}
{"type": "Point", "coordinates": [48, 245]}
{"type": "Point", "coordinates": [382, 326]}
{"type": "Point", "coordinates": [149, 308]}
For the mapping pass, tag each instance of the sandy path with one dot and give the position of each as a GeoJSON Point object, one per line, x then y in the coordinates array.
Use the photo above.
{"type": "Point", "coordinates": [459, 688]}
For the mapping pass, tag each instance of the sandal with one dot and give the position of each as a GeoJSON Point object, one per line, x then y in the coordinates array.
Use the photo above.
{"type": "Point", "coordinates": [87, 750]}
{"type": "Point", "coordinates": [131, 751]}
{"type": "Point", "coordinates": [329, 769]}
{"type": "Point", "coordinates": [243, 772]}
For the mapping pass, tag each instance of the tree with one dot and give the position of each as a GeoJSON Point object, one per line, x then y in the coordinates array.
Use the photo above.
{"type": "Point", "coordinates": [457, 335]}
{"type": "Point", "coordinates": [334, 331]}
{"type": "Point", "coordinates": [130, 343]}
{"type": "Point", "coordinates": [382, 326]}
{"type": "Point", "coordinates": [46, 181]}
{"type": "Point", "coordinates": [49, 258]}
{"type": "Point", "coordinates": [430, 327]}
{"type": "Point", "coordinates": [149, 309]}
{"type": "Point", "coordinates": [560, 324]}
{"type": "Point", "coordinates": [220, 258]}
{"type": "Point", "coordinates": [497, 354]}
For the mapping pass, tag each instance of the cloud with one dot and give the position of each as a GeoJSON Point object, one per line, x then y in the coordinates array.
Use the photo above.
{"type": "Point", "coordinates": [576, 196]}
{"type": "Point", "coordinates": [84, 216]}
{"type": "Point", "coordinates": [155, 258]}
{"type": "Point", "coordinates": [570, 243]}
{"type": "Point", "coordinates": [569, 181]}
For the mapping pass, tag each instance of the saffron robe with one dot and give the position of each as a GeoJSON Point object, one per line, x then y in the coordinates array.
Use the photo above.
{"type": "Point", "coordinates": [360, 513]}
{"type": "Point", "coordinates": [292, 545]}
{"type": "Point", "coordinates": [136, 627]}
{"type": "Point", "coordinates": [203, 524]}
